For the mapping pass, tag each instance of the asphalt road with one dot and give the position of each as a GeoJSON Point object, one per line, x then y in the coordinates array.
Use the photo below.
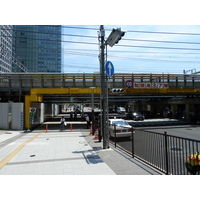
{"type": "Point", "coordinates": [185, 131]}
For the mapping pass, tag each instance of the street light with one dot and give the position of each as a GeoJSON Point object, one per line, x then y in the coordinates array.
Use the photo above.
{"type": "Point", "coordinates": [113, 39]}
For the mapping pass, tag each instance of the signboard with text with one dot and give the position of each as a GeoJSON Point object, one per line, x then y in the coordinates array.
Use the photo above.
{"type": "Point", "coordinates": [149, 85]}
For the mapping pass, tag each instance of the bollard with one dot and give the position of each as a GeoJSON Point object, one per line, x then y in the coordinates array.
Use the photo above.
{"type": "Point", "coordinates": [46, 128]}
{"type": "Point", "coordinates": [70, 127]}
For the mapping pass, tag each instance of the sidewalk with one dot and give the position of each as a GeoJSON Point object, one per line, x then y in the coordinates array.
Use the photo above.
{"type": "Point", "coordinates": [63, 153]}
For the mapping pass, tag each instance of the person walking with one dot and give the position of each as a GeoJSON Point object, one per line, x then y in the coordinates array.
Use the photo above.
{"type": "Point", "coordinates": [62, 123]}
{"type": "Point", "coordinates": [87, 118]}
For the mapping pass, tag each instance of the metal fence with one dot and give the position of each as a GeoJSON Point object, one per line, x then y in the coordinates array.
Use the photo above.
{"type": "Point", "coordinates": [164, 152]}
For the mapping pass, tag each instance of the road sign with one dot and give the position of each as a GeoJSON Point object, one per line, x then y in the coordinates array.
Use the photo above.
{"type": "Point", "coordinates": [109, 68]}
{"type": "Point", "coordinates": [129, 84]}
{"type": "Point", "coordinates": [32, 112]}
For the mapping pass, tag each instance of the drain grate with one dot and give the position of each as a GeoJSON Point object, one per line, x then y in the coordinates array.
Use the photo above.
{"type": "Point", "coordinates": [32, 155]}
{"type": "Point", "coordinates": [8, 132]}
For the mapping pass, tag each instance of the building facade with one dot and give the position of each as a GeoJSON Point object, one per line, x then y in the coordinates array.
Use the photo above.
{"type": "Point", "coordinates": [6, 38]}
{"type": "Point", "coordinates": [38, 47]}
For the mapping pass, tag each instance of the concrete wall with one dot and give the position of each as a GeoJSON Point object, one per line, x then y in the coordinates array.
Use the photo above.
{"type": "Point", "coordinates": [4, 119]}
{"type": "Point", "coordinates": [12, 116]}
{"type": "Point", "coordinates": [17, 117]}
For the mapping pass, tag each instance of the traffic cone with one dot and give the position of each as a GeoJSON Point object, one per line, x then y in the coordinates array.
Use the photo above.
{"type": "Point", "coordinates": [96, 135]}
{"type": "Point", "coordinates": [91, 130]}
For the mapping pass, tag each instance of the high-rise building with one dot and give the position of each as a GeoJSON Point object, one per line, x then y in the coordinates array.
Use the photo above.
{"type": "Point", "coordinates": [38, 47]}
{"type": "Point", "coordinates": [6, 36]}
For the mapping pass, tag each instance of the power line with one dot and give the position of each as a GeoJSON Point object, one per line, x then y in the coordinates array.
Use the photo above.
{"type": "Point", "coordinates": [95, 37]}
{"type": "Point", "coordinates": [92, 43]}
{"type": "Point", "coordinates": [155, 47]}
{"type": "Point", "coordinates": [161, 41]}
{"type": "Point", "coordinates": [133, 31]}
{"type": "Point", "coordinates": [160, 32]}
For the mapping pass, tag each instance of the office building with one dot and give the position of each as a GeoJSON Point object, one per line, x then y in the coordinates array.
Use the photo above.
{"type": "Point", "coordinates": [38, 47]}
{"type": "Point", "coordinates": [6, 36]}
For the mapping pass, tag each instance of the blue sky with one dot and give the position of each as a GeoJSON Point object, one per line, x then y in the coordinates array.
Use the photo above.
{"type": "Point", "coordinates": [178, 16]}
{"type": "Point", "coordinates": [155, 52]}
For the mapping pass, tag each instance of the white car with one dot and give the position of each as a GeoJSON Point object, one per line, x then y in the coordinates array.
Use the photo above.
{"type": "Point", "coordinates": [123, 129]}
{"type": "Point", "coordinates": [121, 110]}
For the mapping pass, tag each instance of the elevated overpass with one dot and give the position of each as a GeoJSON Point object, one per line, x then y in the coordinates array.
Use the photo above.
{"type": "Point", "coordinates": [19, 84]}
{"type": "Point", "coordinates": [62, 87]}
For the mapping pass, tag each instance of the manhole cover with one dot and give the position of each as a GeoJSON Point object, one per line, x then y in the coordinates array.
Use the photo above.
{"type": "Point", "coordinates": [82, 142]}
{"type": "Point", "coordinates": [32, 155]}
{"type": "Point", "coordinates": [97, 148]}
{"type": "Point", "coordinates": [176, 149]}
{"type": "Point", "coordinates": [8, 132]}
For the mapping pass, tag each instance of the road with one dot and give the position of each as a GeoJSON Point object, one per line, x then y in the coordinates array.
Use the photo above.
{"type": "Point", "coordinates": [186, 131]}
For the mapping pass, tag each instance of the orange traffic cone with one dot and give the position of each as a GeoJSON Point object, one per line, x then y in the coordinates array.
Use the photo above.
{"type": "Point", "coordinates": [96, 135]}
{"type": "Point", "coordinates": [91, 130]}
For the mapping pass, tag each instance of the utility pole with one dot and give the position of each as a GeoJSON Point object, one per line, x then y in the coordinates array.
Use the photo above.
{"type": "Point", "coordinates": [103, 97]}
{"type": "Point", "coordinates": [113, 39]}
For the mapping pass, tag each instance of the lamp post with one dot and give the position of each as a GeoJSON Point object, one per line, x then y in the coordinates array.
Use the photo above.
{"type": "Point", "coordinates": [92, 88]}
{"type": "Point", "coordinates": [113, 39]}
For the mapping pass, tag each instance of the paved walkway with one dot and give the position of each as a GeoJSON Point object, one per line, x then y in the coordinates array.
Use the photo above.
{"type": "Point", "coordinates": [63, 153]}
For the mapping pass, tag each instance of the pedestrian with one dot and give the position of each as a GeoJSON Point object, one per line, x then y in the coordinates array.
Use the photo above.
{"type": "Point", "coordinates": [75, 115]}
{"type": "Point", "coordinates": [62, 123]}
{"type": "Point", "coordinates": [88, 121]}
{"type": "Point", "coordinates": [71, 115]}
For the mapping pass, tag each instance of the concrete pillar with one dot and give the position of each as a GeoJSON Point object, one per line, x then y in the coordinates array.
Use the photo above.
{"type": "Point", "coordinates": [187, 111]}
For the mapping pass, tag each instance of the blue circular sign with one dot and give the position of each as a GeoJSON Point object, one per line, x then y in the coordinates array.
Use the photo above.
{"type": "Point", "coordinates": [109, 68]}
{"type": "Point", "coordinates": [129, 83]}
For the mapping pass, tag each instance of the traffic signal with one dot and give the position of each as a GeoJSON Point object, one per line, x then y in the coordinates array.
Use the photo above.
{"type": "Point", "coordinates": [117, 90]}
{"type": "Point", "coordinates": [115, 36]}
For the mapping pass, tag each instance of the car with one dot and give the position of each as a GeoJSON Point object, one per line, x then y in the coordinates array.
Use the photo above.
{"type": "Point", "coordinates": [122, 128]}
{"type": "Point", "coordinates": [147, 114]}
{"type": "Point", "coordinates": [121, 110]}
{"type": "Point", "coordinates": [135, 116]}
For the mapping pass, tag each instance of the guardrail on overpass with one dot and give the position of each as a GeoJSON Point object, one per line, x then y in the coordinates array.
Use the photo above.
{"type": "Point", "coordinates": [25, 81]}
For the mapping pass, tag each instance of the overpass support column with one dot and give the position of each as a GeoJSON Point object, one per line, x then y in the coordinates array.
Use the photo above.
{"type": "Point", "coordinates": [174, 109]}
{"type": "Point", "coordinates": [187, 111]}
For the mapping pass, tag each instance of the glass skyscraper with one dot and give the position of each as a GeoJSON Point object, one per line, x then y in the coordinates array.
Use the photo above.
{"type": "Point", "coordinates": [38, 47]}
{"type": "Point", "coordinates": [6, 36]}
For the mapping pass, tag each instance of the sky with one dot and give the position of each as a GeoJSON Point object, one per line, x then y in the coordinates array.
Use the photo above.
{"type": "Point", "coordinates": [143, 49]}
{"type": "Point", "coordinates": [175, 16]}
{"type": "Point", "coordinates": [149, 52]}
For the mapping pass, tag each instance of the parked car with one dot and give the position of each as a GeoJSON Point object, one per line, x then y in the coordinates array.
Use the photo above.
{"type": "Point", "coordinates": [135, 116]}
{"type": "Point", "coordinates": [147, 114]}
{"type": "Point", "coordinates": [121, 110]}
{"type": "Point", "coordinates": [123, 129]}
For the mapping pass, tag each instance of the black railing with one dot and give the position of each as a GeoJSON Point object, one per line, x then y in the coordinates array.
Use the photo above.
{"type": "Point", "coordinates": [164, 152]}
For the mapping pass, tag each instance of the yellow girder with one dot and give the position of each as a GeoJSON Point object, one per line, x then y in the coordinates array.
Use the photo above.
{"type": "Point", "coordinates": [160, 90]}
{"type": "Point", "coordinates": [41, 91]}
